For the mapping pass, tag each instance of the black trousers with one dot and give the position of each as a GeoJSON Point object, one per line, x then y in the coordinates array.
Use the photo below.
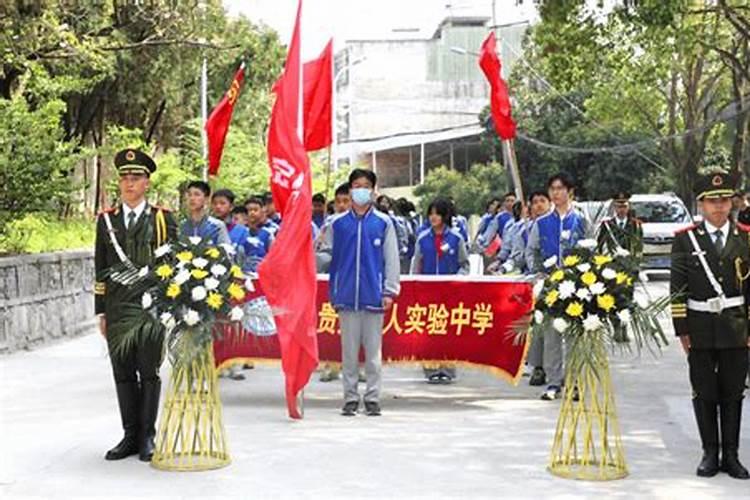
{"type": "Point", "coordinates": [140, 362]}
{"type": "Point", "coordinates": [718, 374]}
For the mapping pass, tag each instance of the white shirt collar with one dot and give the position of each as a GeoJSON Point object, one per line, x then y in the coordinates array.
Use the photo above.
{"type": "Point", "coordinates": [711, 229]}
{"type": "Point", "coordinates": [138, 210]}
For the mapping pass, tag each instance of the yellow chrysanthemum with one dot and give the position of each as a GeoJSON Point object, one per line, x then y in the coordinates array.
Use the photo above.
{"type": "Point", "coordinates": [574, 309]}
{"type": "Point", "coordinates": [605, 302]}
{"type": "Point", "coordinates": [236, 291]}
{"type": "Point", "coordinates": [236, 272]}
{"type": "Point", "coordinates": [551, 297]}
{"type": "Point", "coordinates": [621, 278]}
{"type": "Point", "coordinates": [164, 271]}
{"type": "Point", "coordinates": [571, 260]}
{"type": "Point", "coordinates": [213, 252]}
{"type": "Point", "coordinates": [173, 290]}
{"type": "Point", "coordinates": [588, 278]}
{"type": "Point", "coordinates": [629, 281]}
{"type": "Point", "coordinates": [185, 256]}
{"type": "Point", "coordinates": [557, 275]}
{"type": "Point", "coordinates": [600, 260]}
{"type": "Point", "coordinates": [199, 274]}
{"type": "Point", "coordinates": [214, 300]}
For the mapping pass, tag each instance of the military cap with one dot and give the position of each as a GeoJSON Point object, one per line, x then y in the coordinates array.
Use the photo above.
{"type": "Point", "coordinates": [715, 185]}
{"type": "Point", "coordinates": [134, 161]}
{"type": "Point", "coordinates": [621, 197]}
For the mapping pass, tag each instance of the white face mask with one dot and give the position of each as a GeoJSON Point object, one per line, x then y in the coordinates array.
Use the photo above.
{"type": "Point", "coordinates": [361, 196]}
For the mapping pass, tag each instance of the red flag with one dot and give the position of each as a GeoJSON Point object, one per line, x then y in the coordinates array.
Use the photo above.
{"type": "Point", "coordinates": [319, 100]}
{"type": "Point", "coordinates": [499, 100]}
{"type": "Point", "coordinates": [217, 124]}
{"type": "Point", "coordinates": [287, 274]}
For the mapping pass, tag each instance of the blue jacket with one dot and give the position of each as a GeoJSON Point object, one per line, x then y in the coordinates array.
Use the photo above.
{"type": "Point", "coordinates": [254, 248]}
{"type": "Point", "coordinates": [365, 262]}
{"type": "Point", "coordinates": [496, 227]}
{"type": "Point", "coordinates": [454, 260]}
{"type": "Point", "coordinates": [554, 236]}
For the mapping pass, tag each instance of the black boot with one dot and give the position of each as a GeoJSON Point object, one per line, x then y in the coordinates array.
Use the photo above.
{"type": "Point", "coordinates": [127, 399]}
{"type": "Point", "coordinates": [150, 391]}
{"type": "Point", "coordinates": [708, 427]}
{"type": "Point", "coordinates": [731, 418]}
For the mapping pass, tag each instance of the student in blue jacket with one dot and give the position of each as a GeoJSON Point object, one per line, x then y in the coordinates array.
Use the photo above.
{"type": "Point", "coordinates": [552, 237]}
{"type": "Point", "coordinates": [441, 249]}
{"type": "Point", "coordinates": [363, 283]}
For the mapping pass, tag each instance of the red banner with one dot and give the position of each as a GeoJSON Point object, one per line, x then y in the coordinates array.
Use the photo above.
{"type": "Point", "coordinates": [467, 320]}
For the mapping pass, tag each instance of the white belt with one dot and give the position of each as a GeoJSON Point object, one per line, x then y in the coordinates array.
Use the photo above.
{"type": "Point", "coordinates": [715, 305]}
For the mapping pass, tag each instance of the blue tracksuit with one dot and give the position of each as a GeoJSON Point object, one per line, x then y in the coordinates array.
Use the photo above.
{"type": "Point", "coordinates": [454, 259]}
{"type": "Point", "coordinates": [365, 261]}
{"type": "Point", "coordinates": [554, 236]}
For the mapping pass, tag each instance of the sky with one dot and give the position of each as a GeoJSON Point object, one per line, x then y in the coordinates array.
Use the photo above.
{"type": "Point", "coordinates": [368, 19]}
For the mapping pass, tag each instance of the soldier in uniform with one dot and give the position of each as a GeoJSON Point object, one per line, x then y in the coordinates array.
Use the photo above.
{"type": "Point", "coordinates": [126, 237]}
{"type": "Point", "coordinates": [623, 230]}
{"type": "Point", "coordinates": [709, 280]}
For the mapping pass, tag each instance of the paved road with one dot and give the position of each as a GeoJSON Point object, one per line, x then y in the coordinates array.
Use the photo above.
{"type": "Point", "coordinates": [478, 438]}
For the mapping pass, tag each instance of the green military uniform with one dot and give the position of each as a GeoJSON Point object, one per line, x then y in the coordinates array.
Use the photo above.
{"type": "Point", "coordinates": [136, 372]}
{"type": "Point", "coordinates": [710, 306]}
{"type": "Point", "coordinates": [626, 234]}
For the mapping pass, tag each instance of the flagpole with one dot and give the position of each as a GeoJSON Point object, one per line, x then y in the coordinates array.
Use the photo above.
{"type": "Point", "coordinates": [204, 115]}
{"type": "Point", "coordinates": [332, 148]}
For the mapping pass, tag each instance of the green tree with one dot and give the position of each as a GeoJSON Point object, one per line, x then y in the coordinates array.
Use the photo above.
{"type": "Point", "coordinates": [470, 190]}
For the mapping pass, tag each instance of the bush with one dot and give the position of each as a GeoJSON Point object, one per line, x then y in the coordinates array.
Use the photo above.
{"type": "Point", "coordinates": [470, 190]}
{"type": "Point", "coordinates": [38, 233]}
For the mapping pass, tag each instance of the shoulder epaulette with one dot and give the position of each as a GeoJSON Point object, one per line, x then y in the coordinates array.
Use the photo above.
{"type": "Point", "coordinates": [685, 229]}
{"type": "Point", "coordinates": [110, 210]}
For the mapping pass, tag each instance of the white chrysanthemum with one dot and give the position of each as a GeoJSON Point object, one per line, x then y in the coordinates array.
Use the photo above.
{"type": "Point", "coordinates": [218, 270]}
{"type": "Point", "coordinates": [560, 325]}
{"type": "Point", "coordinates": [537, 289]}
{"type": "Point", "coordinates": [565, 234]}
{"type": "Point", "coordinates": [162, 250]}
{"type": "Point", "coordinates": [192, 317]}
{"type": "Point", "coordinates": [236, 314]}
{"type": "Point", "coordinates": [195, 240]}
{"type": "Point", "coordinates": [567, 288]}
{"type": "Point", "coordinates": [583, 294]}
{"type": "Point", "coordinates": [551, 262]}
{"type": "Point", "coordinates": [587, 243]}
{"type": "Point", "coordinates": [200, 262]}
{"type": "Point", "coordinates": [608, 273]}
{"type": "Point", "coordinates": [146, 300]}
{"type": "Point", "coordinates": [228, 248]}
{"type": "Point", "coordinates": [598, 288]}
{"type": "Point", "coordinates": [249, 285]}
{"type": "Point", "coordinates": [143, 271]}
{"type": "Point", "coordinates": [182, 276]}
{"type": "Point", "coordinates": [592, 322]}
{"type": "Point", "coordinates": [211, 283]}
{"type": "Point", "coordinates": [584, 268]}
{"type": "Point", "coordinates": [621, 252]}
{"type": "Point", "coordinates": [198, 293]}
{"type": "Point", "coordinates": [624, 316]}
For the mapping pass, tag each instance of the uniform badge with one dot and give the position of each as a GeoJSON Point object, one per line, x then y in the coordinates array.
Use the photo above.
{"type": "Point", "coordinates": [717, 181]}
{"type": "Point", "coordinates": [376, 242]}
{"type": "Point", "coordinates": [130, 155]}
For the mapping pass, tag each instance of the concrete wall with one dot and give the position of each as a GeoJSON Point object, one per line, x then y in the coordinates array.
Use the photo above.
{"type": "Point", "coordinates": [45, 297]}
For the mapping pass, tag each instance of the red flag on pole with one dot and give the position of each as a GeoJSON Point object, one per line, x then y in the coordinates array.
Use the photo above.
{"type": "Point", "coordinates": [287, 274]}
{"type": "Point", "coordinates": [499, 100]}
{"type": "Point", "coordinates": [319, 100]}
{"type": "Point", "coordinates": [217, 124]}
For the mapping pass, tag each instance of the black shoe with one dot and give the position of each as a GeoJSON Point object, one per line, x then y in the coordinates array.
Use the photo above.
{"type": "Point", "coordinates": [538, 377]}
{"type": "Point", "coordinates": [350, 409]}
{"type": "Point", "coordinates": [434, 379]}
{"type": "Point", "coordinates": [731, 417]}
{"type": "Point", "coordinates": [372, 408]}
{"type": "Point", "coordinates": [705, 416]}
{"type": "Point", "coordinates": [150, 391]}
{"type": "Point", "coordinates": [445, 378]}
{"type": "Point", "coordinates": [552, 393]}
{"type": "Point", "coordinates": [128, 395]}
{"type": "Point", "coordinates": [126, 447]}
